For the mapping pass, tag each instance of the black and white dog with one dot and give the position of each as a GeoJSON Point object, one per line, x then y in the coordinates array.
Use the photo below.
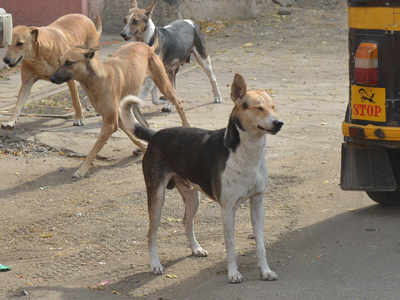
{"type": "Point", "coordinates": [229, 165]}
{"type": "Point", "coordinates": [174, 43]}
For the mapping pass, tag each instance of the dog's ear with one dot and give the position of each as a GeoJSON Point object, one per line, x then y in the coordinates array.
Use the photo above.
{"type": "Point", "coordinates": [134, 4]}
{"type": "Point", "coordinates": [238, 88]}
{"type": "Point", "coordinates": [149, 10]}
{"type": "Point", "coordinates": [34, 33]}
{"type": "Point", "coordinates": [91, 52]}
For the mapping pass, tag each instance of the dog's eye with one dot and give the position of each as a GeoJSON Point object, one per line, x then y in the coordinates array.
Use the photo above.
{"type": "Point", "coordinates": [261, 108]}
{"type": "Point", "coordinates": [19, 44]}
{"type": "Point", "coordinates": [134, 22]}
{"type": "Point", "coordinates": [68, 63]}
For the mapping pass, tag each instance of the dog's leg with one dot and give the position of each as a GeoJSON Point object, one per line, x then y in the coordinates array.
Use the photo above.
{"type": "Point", "coordinates": [171, 78]}
{"type": "Point", "coordinates": [108, 128]}
{"type": "Point", "coordinates": [155, 197]}
{"type": "Point", "coordinates": [228, 219]}
{"type": "Point", "coordinates": [28, 80]}
{"type": "Point", "coordinates": [207, 68]}
{"type": "Point", "coordinates": [160, 78]}
{"type": "Point", "coordinates": [134, 139]}
{"type": "Point", "coordinates": [191, 197]}
{"type": "Point", "coordinates": [147, 87]}
{"type": "Point", "coordinates": [154, 96]}
{"type": "Point", "coordinates": [257, 220]}
{"type": "Point", "coordinates": [76, 104]}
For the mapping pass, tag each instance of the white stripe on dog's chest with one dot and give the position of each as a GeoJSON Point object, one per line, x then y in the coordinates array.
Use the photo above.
{"type": "Point", "coordinates": [245, 173]}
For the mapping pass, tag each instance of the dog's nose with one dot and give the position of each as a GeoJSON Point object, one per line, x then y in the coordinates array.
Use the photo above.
{"type": "Point", "coordinates": [52, 79]}
{"type": "Point", "coordinates": [123, 34]}
{"type": "Point", "coordinates": [277, 125]}
{"type": "Point", "coordinates": [6, 60]}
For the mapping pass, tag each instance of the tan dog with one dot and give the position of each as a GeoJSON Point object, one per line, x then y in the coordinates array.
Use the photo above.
{"type": "Point", "coordinates": [228, 165]}
{"type": "Point", "coordinates": [106, 83]}
{"type": "Point", "coordinates": [39, 49]}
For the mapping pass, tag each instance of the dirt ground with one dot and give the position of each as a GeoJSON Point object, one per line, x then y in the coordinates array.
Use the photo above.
{"type": "Point", "coordinates": [86, 239]}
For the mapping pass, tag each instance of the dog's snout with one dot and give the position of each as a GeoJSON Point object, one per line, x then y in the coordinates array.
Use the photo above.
{"type": "Point", "coordinates": [277, 124]}
{"type": "Point", "coordinates": [124, 35]}
{"type": "Point", "coordinates": [6, 60]}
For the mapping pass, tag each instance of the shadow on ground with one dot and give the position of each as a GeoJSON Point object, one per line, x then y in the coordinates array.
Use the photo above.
{"type": "Point", "coordinates": [349, 256]}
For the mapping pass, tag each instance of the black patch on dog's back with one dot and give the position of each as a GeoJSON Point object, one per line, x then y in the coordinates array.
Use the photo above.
{"type": "Point", "coordinates": [192, 153]}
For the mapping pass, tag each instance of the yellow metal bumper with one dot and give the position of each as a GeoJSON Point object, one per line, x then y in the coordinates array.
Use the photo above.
{"type": "Point", "coordinates": [379, 18]}
{"type": "Point", "coordinates": [370, 132]}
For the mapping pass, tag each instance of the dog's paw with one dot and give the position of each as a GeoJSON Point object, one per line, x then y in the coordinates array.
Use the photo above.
{"type": "Point", "coordinates": [199, 252]}
{"type": "Point", "coordinates": [157, 269]}
{"type": "Point", "coordinates": [218, 99]}
{"type": "Point", "coordinates": [78, 123]}
{"type": "Point", "coordinates": [166, 109]}
{"type": "Point", "coordinates": [78, 174]}
{"type": "Point", "coordinates": [8, 124]}
{"type": "Point", "coordinates": [269, 275]}
{"type": "Point", "coordinates": [235, 277]}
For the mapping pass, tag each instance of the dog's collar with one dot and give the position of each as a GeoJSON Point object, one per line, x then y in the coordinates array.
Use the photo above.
{"type": "Point", "coordinates": [151, 42]}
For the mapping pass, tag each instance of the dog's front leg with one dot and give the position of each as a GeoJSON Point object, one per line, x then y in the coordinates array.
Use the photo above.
{"type": "Point", "coordinates": [76, 103]}
{"type": "Point", "coordinates": [27, 82]}
{"type": "Point", "coordinates": [147, 87]}
{"type": "Point", "coordinates": [257, 220]}
{"type": "Point", "coordinates": [107, 130]}
{"type": "Point", "coordinates": [228, 219]}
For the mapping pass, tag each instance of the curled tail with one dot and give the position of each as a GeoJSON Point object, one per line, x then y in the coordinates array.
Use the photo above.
{"type": "Point", "coordinates": [199, 42]}
{"type": "Point", "coordinates": [132, 118]}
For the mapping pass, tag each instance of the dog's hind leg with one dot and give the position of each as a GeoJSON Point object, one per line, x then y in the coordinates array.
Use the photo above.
{"type": "Point", "coordinates": [191, 197]}
{"type": "Point", "coordinates": [76, 104]}
{"type": "Point", "coordinates": [206, 65]}
{"type": "Point", "coordinates": [160, 78]}
{"type": "Point", "coordinates": [257, 220]}
{"type": "Point", "coordinates": [172, 78]}
{"type": "Point", "coordinates": [28, 80]}
{"type": "Point", "coordinates": [108, 128]}
{"type": "Point", "coordinates": [156, 183]}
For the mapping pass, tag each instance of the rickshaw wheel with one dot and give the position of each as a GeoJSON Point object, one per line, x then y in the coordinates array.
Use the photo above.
{"type": "Point", "coordinates": [386, 198]}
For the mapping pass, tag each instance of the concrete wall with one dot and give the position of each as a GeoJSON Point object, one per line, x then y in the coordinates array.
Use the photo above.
{"type": "Point", "coordinates": [41, 12]}
{"type": "Point", "coordinates": [113, 11]}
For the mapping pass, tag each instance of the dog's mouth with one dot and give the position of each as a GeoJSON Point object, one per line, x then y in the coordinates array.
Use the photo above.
{"type": "Point", "coordinates": [58, 79]}
{"type": "Point", "coordinates": [11, 65]}
{"type": "Point", "coordinates": [272, 131]}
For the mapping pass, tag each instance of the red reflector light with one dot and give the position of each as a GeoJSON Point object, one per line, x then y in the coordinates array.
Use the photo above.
{"type": "Point", "coordinates": [356, 132]}
{"type": "Point", "coordinates": [366, 69]}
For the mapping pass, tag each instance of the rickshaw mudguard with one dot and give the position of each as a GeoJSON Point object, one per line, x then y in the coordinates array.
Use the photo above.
{"type": "Point", "coordinates": [366, 169]}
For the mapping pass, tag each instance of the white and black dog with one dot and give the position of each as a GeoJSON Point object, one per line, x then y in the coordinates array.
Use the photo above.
{"type": "Point", "coordinates": [175, 43]}
{"type": "Point", "coordinates": [229, 165]}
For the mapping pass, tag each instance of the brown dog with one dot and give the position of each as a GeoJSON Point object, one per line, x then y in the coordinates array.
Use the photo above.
{"type": "Point", "coordinates": [106, 83]}
{"type": "Point", "coordinates": [39, 49]}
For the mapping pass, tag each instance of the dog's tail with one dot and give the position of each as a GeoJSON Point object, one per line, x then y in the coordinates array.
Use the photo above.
{"type": "Point", "coordinates": [132, 118]}
{"type": "Point", "coordinates": [199, 42]}
{"type": "Point", "coordinates": [99, 26]}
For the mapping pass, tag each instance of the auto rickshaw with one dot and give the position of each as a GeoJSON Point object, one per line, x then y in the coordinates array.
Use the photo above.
{"type": "Point", "coordinates": [371, 127]}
